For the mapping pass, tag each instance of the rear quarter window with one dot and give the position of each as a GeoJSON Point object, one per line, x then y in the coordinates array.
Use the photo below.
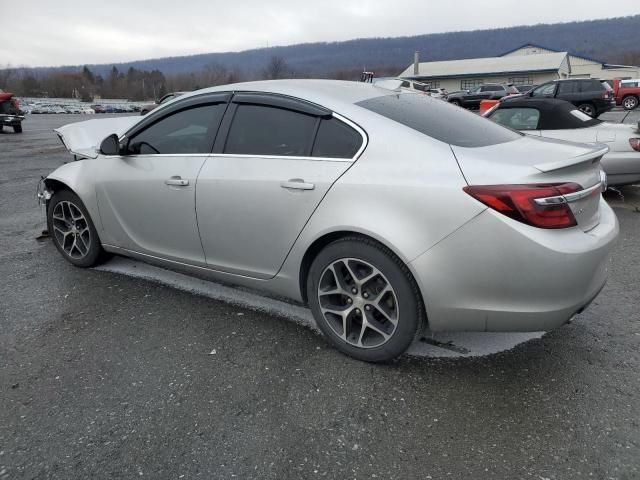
{"type": "Point", "coordinates": [440, 120]}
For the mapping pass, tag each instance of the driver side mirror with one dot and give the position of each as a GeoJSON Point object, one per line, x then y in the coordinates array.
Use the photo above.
{"type": "Point", "coordinates": [110, 145]}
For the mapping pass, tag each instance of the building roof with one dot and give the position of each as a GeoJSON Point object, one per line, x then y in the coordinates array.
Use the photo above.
{"type": "Point", "coordinates": [542, 62]}
{"type": "Point", "coordinates": [533, 45]}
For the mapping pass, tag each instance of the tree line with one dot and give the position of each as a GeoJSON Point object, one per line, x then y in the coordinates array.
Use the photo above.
{"type": "Point", "coordinates": [137, 85]}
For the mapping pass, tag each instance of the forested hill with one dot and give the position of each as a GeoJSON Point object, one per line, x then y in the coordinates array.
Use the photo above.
{"type": "Point", "coordinates": [614, 40]}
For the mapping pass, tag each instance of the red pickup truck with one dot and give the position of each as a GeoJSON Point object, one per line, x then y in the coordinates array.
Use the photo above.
{"type": "Point", "coordinates": [627, 93]}
{"type": "Point", "coordinates": [10, 112]}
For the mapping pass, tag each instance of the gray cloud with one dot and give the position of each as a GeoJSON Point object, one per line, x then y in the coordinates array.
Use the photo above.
{"type": "Point", "coordinates": [44, 32]}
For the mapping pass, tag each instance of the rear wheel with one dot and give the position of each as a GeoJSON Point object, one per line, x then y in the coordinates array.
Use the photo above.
{"type": "Point", "coordinates": [17, 128]}
{"type": "Point", "coordinates": [72, 230]}
{"type": "Point", "coordinates": [630, 102]}
{"type": "Point", "coordinates": [588, 109]}
{"type": "Point", "coordinates": [455, 102]}
{"type": "Point", "coordinates": [364, 299]}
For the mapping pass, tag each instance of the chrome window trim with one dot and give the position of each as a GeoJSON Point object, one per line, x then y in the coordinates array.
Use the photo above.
{"type": "Point", "coordinates": [355, 126]}
{"type": "Point", "coordinates": [571, 197]}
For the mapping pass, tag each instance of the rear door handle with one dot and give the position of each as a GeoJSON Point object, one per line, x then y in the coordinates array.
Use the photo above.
{"type": "Point", "coordinates": [297, 184]}
{"type": "Point", "coordinates": [176, 181]}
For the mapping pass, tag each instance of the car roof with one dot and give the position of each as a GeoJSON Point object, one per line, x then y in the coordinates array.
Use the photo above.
{"type": "Point", "coordinates": [328, 93]}
{"type": "Point", "coordinates": [555, 114]}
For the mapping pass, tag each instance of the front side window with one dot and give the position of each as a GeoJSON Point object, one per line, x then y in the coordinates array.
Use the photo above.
{"type": "Point", "coordinates": [544, 90]}
{"type": "Point", "coordinates": [336, 139]}
{"type": "Point", "coordinates": [187, 131]}
{"type": "Point", "coordinates": [266, 130]}
{"type": "Point", "coordinates": [517, 118]}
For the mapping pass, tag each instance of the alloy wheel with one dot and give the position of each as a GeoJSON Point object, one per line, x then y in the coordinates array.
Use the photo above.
{"type": "Point", "coordinates": [71, 229]}
{"type": "Point", "coordinates": [358, 303]}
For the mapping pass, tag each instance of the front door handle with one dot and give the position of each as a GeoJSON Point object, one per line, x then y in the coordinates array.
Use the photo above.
{"type": "Point", "coordinates": [176, 181]}
{"type": "Point", "coordinates": [297, 184]}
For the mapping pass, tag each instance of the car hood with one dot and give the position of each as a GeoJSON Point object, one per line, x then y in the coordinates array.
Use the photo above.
{"type": "Point", "coordinates": [83, 138]}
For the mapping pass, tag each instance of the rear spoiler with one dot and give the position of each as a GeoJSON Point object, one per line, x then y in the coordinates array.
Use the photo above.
{"type": "Point", "coordinates": [593, 156]}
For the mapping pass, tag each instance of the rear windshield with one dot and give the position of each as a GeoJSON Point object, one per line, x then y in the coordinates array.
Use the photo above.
{"type": "Point", "coordinates": [440, 120]}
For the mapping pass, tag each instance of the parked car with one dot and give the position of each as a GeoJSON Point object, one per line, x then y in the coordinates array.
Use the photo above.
{"type": "Point", "coordinates": [592, 96]}
{"type": "Point", "coordinates": [382, 210]}
{"type": "Point", "coordinates": [525, 88]}
{"type": "Point", "coordinates": [472, 98]}
{"type": "Point", "coordinates": [627, 93]}
{"type": "Point", "coordinates": [169, 96]}
{"type": "Point", "coordinates": [440, 93]}
{"type": "Point", "coordinates": [10, 115]}
{"type": "Point", "coordinates": [98, 108]}
{"type": "Point", "coordinates": [552, 118]}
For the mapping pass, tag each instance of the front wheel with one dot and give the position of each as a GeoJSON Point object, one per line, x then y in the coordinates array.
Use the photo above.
{"type": "Point", "coordinates": [588, 109]}
{"type": "Point", "coordinates": [455, 102]}
{"type": "Point", "coordinates": [17, 128]}
{"type": "Point", "coordinates": [72, 230]}
{"type": "Point", "coordinates": [364, 299]}
{"type": "Point", "coordinates": [630, 103]}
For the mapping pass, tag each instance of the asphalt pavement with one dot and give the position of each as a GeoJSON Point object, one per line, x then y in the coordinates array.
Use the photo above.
{"type": "Point", "coordinates": [109, 375]}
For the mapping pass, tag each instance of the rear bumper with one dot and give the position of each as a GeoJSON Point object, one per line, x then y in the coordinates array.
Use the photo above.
{"type": "Point", "coordinates": [496, 274]}
{"type": "Point", "coordinates": [11, 120]}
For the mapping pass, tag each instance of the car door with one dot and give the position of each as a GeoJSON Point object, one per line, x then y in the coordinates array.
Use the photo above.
{"type": "Point", "coordinates": [472, 99]}
{"type": "Point", "coordinates": [275, 159]}
{"type": "Point", "coordinates": [146, 196]}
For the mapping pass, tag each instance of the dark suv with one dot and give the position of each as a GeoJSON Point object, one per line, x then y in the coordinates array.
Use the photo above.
{"type": "Point", "coordinates": [590, 95]}
{"type": "Point", "coordinates": [472, 98]}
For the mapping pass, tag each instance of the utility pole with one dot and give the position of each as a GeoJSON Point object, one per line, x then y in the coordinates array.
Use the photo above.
{"type": "Point", "coordinates": [416, 63]}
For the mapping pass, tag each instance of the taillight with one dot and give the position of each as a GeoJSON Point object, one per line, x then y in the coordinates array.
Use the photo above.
{"type": "Point", "coordinates": [518, 202]}
{"type": "Point", "coordinates": [635, 144]}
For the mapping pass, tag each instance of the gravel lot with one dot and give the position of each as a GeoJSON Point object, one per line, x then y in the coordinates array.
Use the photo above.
{"type": "Point", "coordinates": [104, 375]}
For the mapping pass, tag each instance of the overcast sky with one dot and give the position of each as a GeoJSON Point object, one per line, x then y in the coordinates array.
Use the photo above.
{"type": "Point", "coordinates": [47, 32]}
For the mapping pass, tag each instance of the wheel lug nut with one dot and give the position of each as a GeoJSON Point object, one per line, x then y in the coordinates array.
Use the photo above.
{"type": "Point", "coordinates": [367, 307]}
{"type": "Point", "coordinates": [354, 290]}
{"type": "Point", "coordinates": [349, 300]}
{"type": "Point", "coordinates": [365, 295]}
{"type": "Point", "coordinates": [358, 311]}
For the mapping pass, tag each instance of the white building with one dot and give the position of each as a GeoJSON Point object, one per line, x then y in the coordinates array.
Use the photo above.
{"type": "Point", "coordinates": [526, 65]}
{"type": "Point", "coordinates": [582, 67]}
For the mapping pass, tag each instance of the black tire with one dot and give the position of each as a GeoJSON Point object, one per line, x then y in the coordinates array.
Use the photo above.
{"type": "Point", "coordinates": [455, 102]}
{"type": "Point", "coordinates": [17, 128]}
{"type": "Point", "coordinates": [589, 109]}
{"type": "Point", "coordinates": [394, 272]}
{"type": "Point", "coordinates": [94, 253]}
{"type": "Point", "coordinates": [630, 102]}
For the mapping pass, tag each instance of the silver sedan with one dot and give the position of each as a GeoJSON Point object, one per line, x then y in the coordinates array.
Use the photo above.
{"type": "Point", "coordinates": [387, 212]}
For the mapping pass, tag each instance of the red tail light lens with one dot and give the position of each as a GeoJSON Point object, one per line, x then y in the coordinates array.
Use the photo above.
{"type": "Point", "coordinates": [635, 144]}
{"type": "Point", "coordinates": [518, 202]}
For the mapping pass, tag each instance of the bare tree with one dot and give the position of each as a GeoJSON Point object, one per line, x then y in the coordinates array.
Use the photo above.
{"type": "Point", "coordinates": [277, 68]}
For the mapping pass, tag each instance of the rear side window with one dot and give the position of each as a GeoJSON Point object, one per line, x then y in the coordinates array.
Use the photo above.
{"type": "Point", "coordinates": [187, 131]}
{"type": "Point", "coordinates": [565, 88]}
{"type": "Point", "coordinates": [544, 90]}
{"type": "Point", "coordinates": [440, 120]}
{"type": "Point", "coordinates": [591, 86]}
{"type": "Point", "coordinates": [517, 118]}
{"type": "Point", "coordinates": [336, 139]}
{"type": "Point", "coordinates": [492, 88]}
{"type": "Point", "coordinates": [265, 130]}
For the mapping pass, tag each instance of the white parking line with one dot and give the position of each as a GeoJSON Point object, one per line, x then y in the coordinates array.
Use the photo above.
{"type": "Point", "coordinates": [441, 345]}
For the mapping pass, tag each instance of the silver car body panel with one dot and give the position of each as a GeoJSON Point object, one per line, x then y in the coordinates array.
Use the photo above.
{"type": "Point", "coordinates": [621, 163]}
{"type": "Point", "coordinates": [474, 267]}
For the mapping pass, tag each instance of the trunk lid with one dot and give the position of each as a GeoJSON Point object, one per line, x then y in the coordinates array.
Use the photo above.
{"type": "Point", "coordinates": [532, 160]}
{"type": "Point", "coordinates": [83, 139]}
